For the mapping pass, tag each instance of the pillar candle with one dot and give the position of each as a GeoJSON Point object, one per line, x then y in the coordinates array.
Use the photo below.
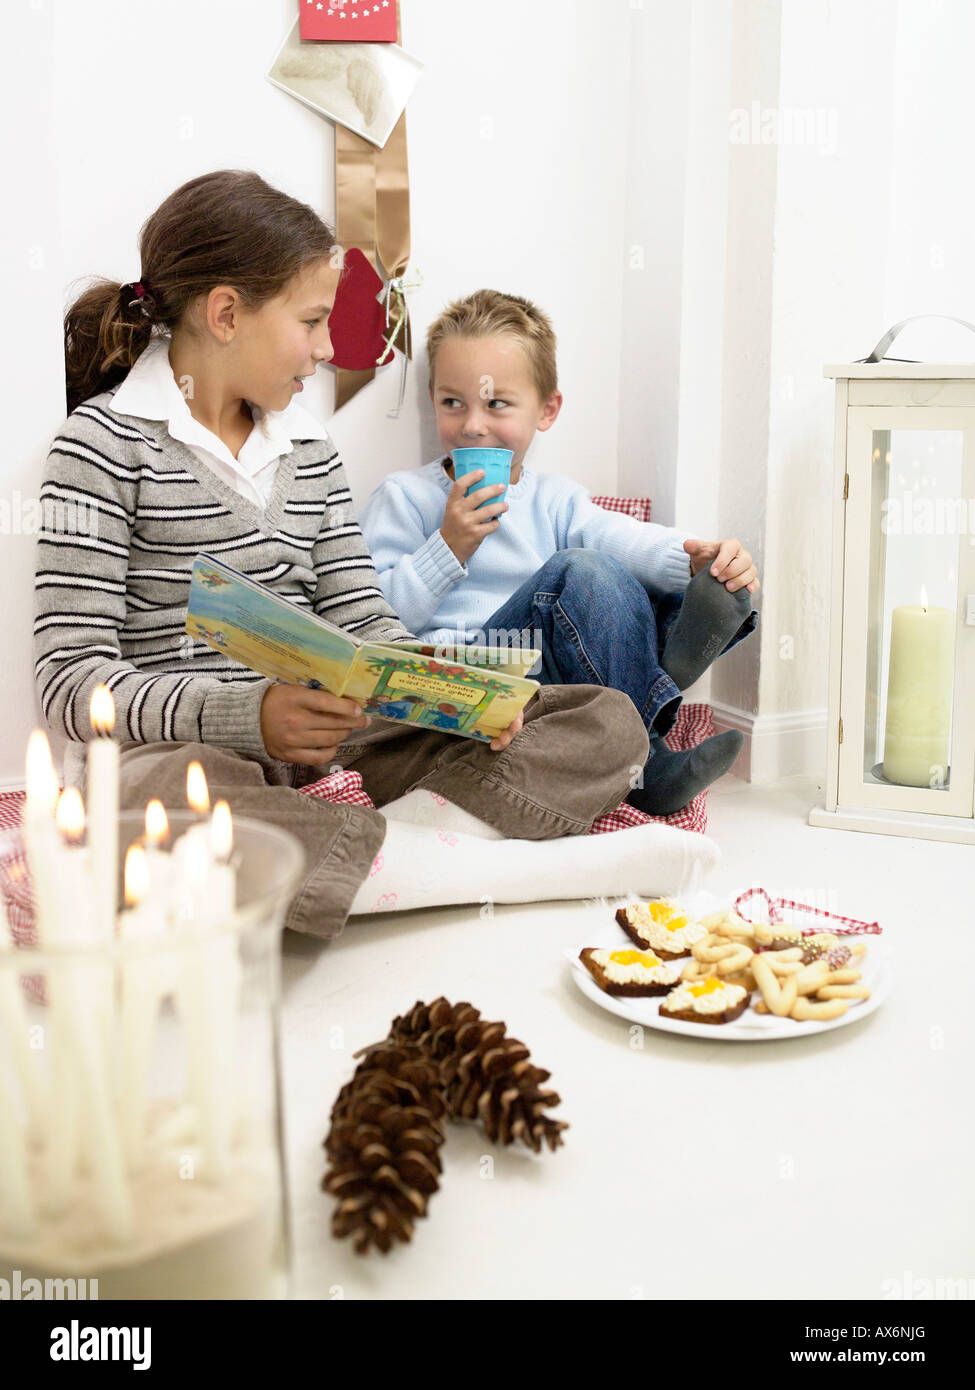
{"type": "Point", "coordinates": [919, 685]}
{"type": "Point", "coordinates": [103, 806]}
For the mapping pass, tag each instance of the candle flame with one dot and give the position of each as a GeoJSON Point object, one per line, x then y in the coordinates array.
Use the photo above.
{"type": "Point", "coordinates": [136, 875]}
{"type": "Point", "coordinates": [42, 780]}
{"type": "Point", "coordinates": [102, 710]}
{"type": "Point", "coordinates": [157, 822]}
{"type": "Point", "coordinates": [70, 815]}
{"type": "Point", "coordinates": [221, 832]}
{"type": "Point", "coordinates": [197, 791]}
{"type": "Point", "coordinates": [924, 598]}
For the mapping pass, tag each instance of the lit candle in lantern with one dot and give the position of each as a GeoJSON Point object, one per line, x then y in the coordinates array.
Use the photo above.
{"type": "Point", "coordinates": [103, 803]}
{"type": "Point", "coordinates": [919, 686]}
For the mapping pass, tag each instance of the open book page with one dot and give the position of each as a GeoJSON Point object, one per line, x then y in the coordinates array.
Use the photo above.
{"type": "Point", "coordinates": [258, 628]}
{"type": "Point", "coordinates": [473, 701]}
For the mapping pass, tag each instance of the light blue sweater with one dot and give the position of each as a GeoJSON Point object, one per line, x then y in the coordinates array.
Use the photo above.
{"type": "Point", "coordinates": [442, 600]}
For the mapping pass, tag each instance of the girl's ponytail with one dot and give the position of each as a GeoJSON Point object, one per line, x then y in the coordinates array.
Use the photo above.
{"type": "Point", "coordinates": [225, 228]}
{"type": "Point", "coordinates": [103, 337]}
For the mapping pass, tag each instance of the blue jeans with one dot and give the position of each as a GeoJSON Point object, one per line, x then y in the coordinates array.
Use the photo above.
{"type": "Point", "coordinates": [597, 625]}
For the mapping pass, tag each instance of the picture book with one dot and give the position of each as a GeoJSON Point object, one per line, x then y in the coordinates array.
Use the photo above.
{"type": "Point", "coordinates": [476, 697]}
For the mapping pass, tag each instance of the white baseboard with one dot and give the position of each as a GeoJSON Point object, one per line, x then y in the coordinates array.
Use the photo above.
{"type": "Point", "coordinates": [776, 745]}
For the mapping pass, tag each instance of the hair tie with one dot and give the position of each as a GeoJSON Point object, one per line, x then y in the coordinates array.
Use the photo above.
{"type": "Point", "coordinates": [142, 298]}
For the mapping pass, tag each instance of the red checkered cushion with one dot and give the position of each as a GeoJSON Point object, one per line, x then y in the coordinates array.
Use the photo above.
{"type": "Point", "coordinates": [637, 507]}
{"type": "Point", "coordinates": [694, 724]}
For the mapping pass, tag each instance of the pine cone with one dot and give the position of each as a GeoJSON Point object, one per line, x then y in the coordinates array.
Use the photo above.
{"type": "Point", "coordinates": [486, 1075]}
{"type": "Point", "coordinates": [386, 1128]}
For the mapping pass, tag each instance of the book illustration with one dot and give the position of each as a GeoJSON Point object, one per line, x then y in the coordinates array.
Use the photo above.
{"type": "Point", "coordinates": [271, 635]}
{"type": "Point", "coordinates": [515, 661]}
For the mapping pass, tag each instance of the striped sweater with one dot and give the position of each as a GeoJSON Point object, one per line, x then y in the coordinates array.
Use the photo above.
{"type": "Point", "coordinates": [125, 511]}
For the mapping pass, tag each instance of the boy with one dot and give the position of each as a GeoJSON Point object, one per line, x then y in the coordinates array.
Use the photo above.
{"type": "Point", "coordinates": [640, 607]}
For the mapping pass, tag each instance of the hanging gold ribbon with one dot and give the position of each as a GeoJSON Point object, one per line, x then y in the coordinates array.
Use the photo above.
{"type": "Point", "coordinates": [372, 211]}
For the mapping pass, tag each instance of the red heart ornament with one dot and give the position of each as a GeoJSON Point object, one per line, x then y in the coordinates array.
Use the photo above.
{"type": "Point", "coordinates": [357, 323]}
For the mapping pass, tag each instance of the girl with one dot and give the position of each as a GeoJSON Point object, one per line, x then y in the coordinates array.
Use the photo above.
{"type": "Point", "coordinates": [184, 435]}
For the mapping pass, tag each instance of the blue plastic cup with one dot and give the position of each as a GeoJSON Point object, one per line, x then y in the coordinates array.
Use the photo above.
{"type": "Point", "coordinates": [497, 469]}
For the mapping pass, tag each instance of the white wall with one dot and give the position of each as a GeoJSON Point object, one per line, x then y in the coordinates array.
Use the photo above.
{"type": "Point", "coordinates": [517, 181]}
{"type": "Point", "coordinates": [546, 142]}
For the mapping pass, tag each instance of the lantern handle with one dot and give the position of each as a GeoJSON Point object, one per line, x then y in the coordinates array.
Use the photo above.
{"type": "Point", "coordinates": [880, 351]}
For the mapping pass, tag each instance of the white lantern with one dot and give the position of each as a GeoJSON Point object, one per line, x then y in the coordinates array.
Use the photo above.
{"type": "Point", "coordinates": [901, 731]}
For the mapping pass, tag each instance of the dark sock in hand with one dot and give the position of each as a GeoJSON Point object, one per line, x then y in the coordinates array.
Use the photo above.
{"type": "Point", "coordinates": [671, 780]}
{"type": "Point", "coordinates": [709, 617]}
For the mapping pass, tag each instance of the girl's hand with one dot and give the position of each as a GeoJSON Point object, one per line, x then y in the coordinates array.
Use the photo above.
{"type": "Point", "coordinates": [299, 725]}
{"type": "Point", "coordinates": [730, 564]}
{"type": "Point", "coordinates": [498, 744]}
{"type": "Point", "coordinates": [464, 526]}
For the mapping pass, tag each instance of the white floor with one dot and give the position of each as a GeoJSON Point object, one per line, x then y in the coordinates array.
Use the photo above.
{"type": "Point", "coordinates": [835, 1166]}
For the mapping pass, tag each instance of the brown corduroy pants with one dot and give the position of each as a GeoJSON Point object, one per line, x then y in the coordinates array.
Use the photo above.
{"type": "Point", "coordinates": [573, 761]}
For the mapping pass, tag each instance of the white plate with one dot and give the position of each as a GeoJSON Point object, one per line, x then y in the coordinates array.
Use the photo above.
{"type": "Point", "coordinates": [750, 1026]}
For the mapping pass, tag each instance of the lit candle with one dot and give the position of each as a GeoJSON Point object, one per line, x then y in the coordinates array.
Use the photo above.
{"type": "Point", "coordinates": [75, 907]}
{"type": "Point", "coordinates": [84, 1007]}
{"type": "Point", "coordinates": [103, 804]}
{"type": "Point", "coordinates": [919, 687]}
{"type": "Point", "coordinates": [210, 983]}
{"type": "Point", "coordinates": [41, 840]}
{"type": "Point", "coordinates": [45, 851]}
{"type": "Point", "coordinates": [143, 922]}
{"type": "Point", "coordinates": [159, 889]}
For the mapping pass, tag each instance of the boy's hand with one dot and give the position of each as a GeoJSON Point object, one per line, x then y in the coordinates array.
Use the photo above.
{"type": "Point", "coordinates": [498, 744]}
{"type": "Point", "coordinates": [729, 563]}
{"type": "Point", "coordinates": [464, 526]}
{"type": "Point", "coordinates": [299, 725]}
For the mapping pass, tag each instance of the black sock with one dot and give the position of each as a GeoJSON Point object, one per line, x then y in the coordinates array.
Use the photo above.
{"type": "Point", "coordinates": [671, 780]}
{"type": "Point", "coordinates": [708, 619]}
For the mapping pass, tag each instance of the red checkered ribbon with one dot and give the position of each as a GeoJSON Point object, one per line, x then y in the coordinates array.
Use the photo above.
{"type": "Point", "coordinates": [339, 787]}
{"type": "Point", "coordinates": [853, 927]}
{"type": "Point", "coordinates": [637, 507]}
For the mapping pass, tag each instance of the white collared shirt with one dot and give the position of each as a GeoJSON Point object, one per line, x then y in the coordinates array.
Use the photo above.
{"type": "Point", "coordinates": [150, 392]}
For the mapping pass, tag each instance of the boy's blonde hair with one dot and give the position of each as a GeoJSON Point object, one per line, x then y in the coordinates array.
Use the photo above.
{"type": "Point", "coordinates": [486, 313]}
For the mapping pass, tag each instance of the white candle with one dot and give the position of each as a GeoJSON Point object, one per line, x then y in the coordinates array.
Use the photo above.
{"type": "Point", "coordinates": [919, 689]}
{"type": "Point", "coordinates": [144, 922]}
{"type": "Point", "coordinates": [103, 807]}
{"type": "Point", "coordinates": [159, 889]}
{"type": "Point", "coordinates": [83, 1004]}
{"type": "Point", "coordinates": [44, 852]}
{"type": "Point", "coordinates": [205, 899]}
{"type": "Point", "coordinates": [41, 840]}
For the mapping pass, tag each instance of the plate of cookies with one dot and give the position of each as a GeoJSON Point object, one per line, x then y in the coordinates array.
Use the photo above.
{"type": "Point", "coordinates": [698, 968]}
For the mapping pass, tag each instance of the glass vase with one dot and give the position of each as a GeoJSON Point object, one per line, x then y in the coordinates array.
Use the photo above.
{"type": "Point", "coordinates": [141, 1144]}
